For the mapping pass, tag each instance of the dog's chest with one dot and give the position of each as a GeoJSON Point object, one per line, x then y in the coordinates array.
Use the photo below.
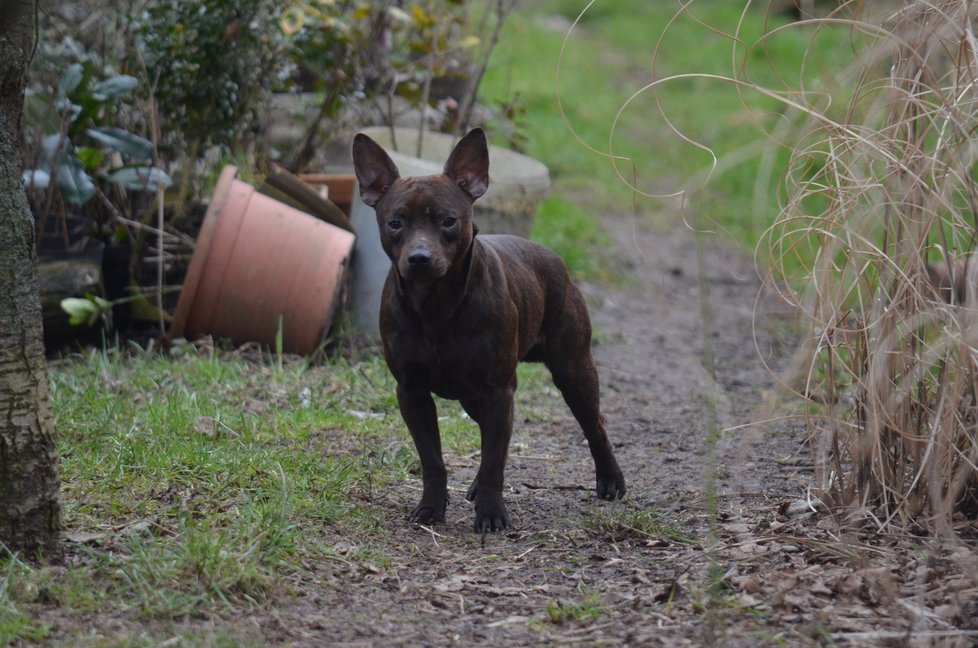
{"type": "Point", "coordinates": [458, 367]}
{"type": "Point", "coordinates": [455, 365]}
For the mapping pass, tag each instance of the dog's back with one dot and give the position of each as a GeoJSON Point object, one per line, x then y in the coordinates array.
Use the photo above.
{"type": "Point", "coordinates": [537, 281]}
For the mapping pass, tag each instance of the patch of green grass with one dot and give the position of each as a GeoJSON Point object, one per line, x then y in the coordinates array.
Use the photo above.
{"type": "Point", "coordinates": [196, 482]}
{"type": "Point", "coordinates": [571, 231]}
{"type": "Point", "coordinates": [17, 586]}
{"type": "Point", "coordinates": [150, 436]}
{"type": "Point", "coordinates": [16, 625]}
{"type": "Point", "coordinates": [533, 376]}
{"type": "Point", "coordinates": [638, 524]}
{"type": "Point", "coordinates": [587, 610]}
{"type": "Point", "coordinates": [459, 433]}
{"type": "Point", "coordinates": [537, 399]}
{"type": "Point", "coordinates": [200, 480]}
{"type": "Point", "coordinates": [201, 565]}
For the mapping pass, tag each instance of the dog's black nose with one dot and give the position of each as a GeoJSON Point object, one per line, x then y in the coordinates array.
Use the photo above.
{"type": "Point", "coordinates": [420, 258]}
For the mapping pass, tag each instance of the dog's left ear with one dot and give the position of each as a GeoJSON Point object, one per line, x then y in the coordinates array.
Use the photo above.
{"type": "Point", "coordinates": [468, 165]}
{"type": "Point", "coordinates": [375, 170]}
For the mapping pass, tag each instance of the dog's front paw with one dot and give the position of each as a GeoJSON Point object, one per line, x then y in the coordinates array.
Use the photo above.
{"type": "Point", "coordinates": [490, 513]}
{"type": "Point", "coordinates": [428, 511]}
{"type": "Point", "coordinates": [612, 486]}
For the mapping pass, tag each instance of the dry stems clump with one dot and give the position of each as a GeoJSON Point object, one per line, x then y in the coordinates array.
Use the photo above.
{"type": "Point", "coordinates": [880, 203]}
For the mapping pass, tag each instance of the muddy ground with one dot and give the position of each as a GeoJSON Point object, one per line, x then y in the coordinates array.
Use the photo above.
{"type": "Point", "coordinates": [649, 570]}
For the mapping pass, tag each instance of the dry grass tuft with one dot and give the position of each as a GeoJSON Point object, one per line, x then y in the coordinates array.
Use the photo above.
{"type": "Point", "coordinates": [881, 204]}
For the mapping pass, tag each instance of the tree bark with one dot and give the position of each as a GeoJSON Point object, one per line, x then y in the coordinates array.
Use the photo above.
{"type": "Point", "coordinates": [30, 508]}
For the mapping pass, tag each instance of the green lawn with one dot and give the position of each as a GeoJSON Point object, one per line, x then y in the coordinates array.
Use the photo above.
{"type": "Point", "coordinates": [617, 140]}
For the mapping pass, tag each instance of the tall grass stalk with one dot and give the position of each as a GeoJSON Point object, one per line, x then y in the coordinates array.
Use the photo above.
{"type": "Point", "coordinates": [880, 185]}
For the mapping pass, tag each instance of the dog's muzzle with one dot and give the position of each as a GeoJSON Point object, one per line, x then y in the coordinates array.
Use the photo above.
{"type": "Point", "coordinates": [421, 265]}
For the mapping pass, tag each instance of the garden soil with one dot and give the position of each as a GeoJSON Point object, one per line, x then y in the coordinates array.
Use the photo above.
{"type": "Point", "coordinates": [721, 539]}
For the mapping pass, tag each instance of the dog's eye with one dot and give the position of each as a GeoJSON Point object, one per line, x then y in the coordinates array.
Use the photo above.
{"type": "Point", "coordinates": [394, 225]}
{"type": "Point", "coordinates": [449, 221]}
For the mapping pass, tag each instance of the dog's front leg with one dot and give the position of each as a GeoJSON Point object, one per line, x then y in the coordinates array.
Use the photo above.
{"type": "Point", "coordinates": [494, 413]}
{"type": "Point", "coordinates": [418, 411]}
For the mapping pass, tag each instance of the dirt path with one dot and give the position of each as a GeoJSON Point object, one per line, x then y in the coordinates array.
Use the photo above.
{"type": "Point", "coordinates": [645, 571]}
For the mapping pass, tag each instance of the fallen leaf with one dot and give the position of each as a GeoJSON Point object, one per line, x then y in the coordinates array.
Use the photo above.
{"type": "Point", "coordinates": [205, 425]}
{"type": "Point", "coordinates": [85, 537]}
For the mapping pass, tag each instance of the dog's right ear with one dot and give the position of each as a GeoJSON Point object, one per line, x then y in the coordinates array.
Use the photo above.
{"type": "Point", "coordinates": [375, 170]}
{"type": "Point", "coordinates": [468, 164]}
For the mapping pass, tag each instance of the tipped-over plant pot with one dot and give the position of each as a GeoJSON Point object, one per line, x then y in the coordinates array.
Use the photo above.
{"type": "Point", "coordinates": [294, 191]}
{"type": "Point", "coordinates": [261, 266]}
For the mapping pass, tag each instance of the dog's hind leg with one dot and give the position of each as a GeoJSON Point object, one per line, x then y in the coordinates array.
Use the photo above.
{"type": "Point", "coordinates": [577, 379]}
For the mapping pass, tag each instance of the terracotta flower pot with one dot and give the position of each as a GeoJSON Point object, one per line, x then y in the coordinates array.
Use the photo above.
{"type": "Point", "coordinates": [258, 263]}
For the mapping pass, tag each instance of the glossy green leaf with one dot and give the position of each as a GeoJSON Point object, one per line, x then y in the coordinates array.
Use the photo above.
{"type": "Point", "coordinates": [75, 185]}
{"type": "Point", "coordinates": [84, 310]}
{"type": "Point", "coordinates": [114, 87]}
{"type": "Point", "coordinates": [141, 178]}
{"type": "Point", "coordinates": [71, 77]}
{"type": "Point", "coordinates": [123, 141]}
{"type": "Point", "coordinates": [53, 147]}
{"type": "Point", "coordinates": [69, 109]}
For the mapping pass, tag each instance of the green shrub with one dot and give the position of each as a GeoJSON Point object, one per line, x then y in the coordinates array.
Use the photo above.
{"type": "Point", "coordinates": [212, 64]}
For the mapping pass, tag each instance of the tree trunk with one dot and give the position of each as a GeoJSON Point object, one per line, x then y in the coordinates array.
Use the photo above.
{"type": "Point", "coordinates": [30, 509]}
